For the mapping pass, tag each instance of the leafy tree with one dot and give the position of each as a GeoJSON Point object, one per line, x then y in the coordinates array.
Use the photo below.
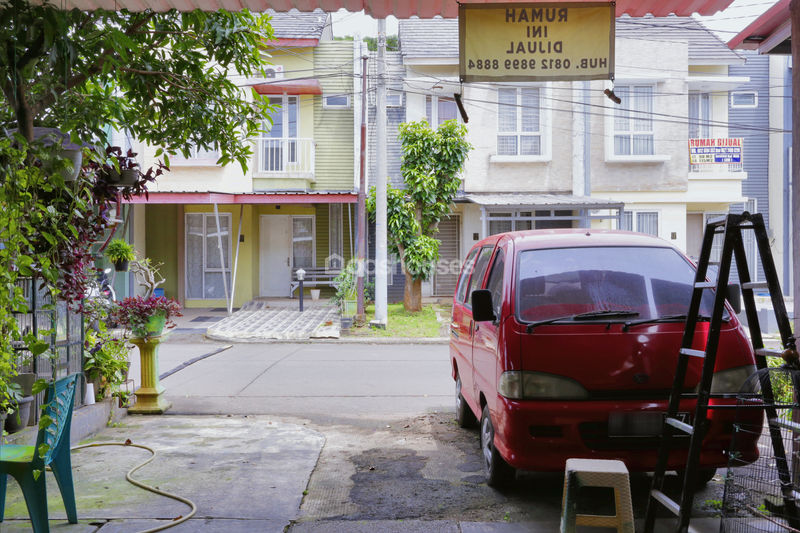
{"type": "Point", "coordinates": [432, 162]}
{"type": "Point", "coordinates": [162, 76]}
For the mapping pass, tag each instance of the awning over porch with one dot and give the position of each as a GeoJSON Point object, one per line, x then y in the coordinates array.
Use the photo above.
{"type": "Point", "coordinates": [302, 86]}
{"type": "Point", "coordinates": [542, 201]}
{"type": "Point", "coordinates": [283, 197]}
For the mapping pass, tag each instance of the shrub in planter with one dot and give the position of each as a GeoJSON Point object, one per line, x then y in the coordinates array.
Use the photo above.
{"type": "Point", "coordinates": [145, 316]}
{"type": "Point", "coordinates": [106, 362]}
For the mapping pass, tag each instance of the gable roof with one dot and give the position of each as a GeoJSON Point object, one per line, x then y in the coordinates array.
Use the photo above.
{"type": "Point", "coordinates": [705, 48]}
{"type": "Point", "coordinates": [438, 38]}
{"type": "Point", "coordinates": [299, 25]}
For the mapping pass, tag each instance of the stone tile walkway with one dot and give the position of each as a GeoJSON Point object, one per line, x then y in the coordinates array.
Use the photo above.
{"type": "Point", "coordinates": [256, 321]}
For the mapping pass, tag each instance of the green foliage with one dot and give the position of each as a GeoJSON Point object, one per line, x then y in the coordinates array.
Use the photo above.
{"type": "Point", "coordinates": [392, 43]}
{"type": "Point", "coordinates": [105, 360]}
{"type": "Point", "coordinates": [345, 283]}
{"type": "Point", "coordinates": [119, 250]}
{"type": "Point", "coordinates": [432, 162]}
{"type": "Point", "coordinates": [161, 76]}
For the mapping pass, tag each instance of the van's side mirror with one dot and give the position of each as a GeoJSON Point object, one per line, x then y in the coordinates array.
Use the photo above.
{"type": "Point", "coordinates": [482, 308]}
{"type": "Point", "coordinates": [733, 293]}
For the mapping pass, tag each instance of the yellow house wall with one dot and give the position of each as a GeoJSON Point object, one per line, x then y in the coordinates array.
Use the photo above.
{"type": "Point", "coordinates": [161, 234]}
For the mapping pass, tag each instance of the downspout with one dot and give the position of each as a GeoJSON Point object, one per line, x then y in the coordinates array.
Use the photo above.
{"type": "Point", "coordinates": [221, 254]}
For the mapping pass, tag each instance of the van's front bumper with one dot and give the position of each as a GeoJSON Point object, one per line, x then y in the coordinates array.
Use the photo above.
{"type": "Point", "coordinates": [542, 435]}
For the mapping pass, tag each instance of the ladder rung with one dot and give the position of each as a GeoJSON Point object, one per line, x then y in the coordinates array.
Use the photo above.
{"type": "Point", "coordinates": [719, 221]}
{"type": "Point", "coordinates": [693, 353]}
{"type": "Point", "coordinates": [766, 352]}
{"type": "Point", "coordinates": [793, 426]}
{"type": "Point", "coordinates": [705, 285]}
{"type": "Point", "coordinates": [665, 500]}
{"type": "Point", "coordinates": [683, 426]}
{"type": "Point", "coordinates": [755, 285]}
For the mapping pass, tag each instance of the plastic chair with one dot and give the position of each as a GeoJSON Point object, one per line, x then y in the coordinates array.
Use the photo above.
{"type": "Point", "coordinates": [21, 461]}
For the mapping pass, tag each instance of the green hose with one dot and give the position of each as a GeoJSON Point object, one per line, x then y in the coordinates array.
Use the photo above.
{"type": "Point", "coordinates": [141, 485]}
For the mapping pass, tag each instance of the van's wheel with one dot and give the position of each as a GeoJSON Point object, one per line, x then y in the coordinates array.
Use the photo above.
{"type": "Point", "coordinates": [464, 415]}
{"type": "Point", "coordinates": [701, 477]}
{"type": "Point", "coordinates": [498, 472]}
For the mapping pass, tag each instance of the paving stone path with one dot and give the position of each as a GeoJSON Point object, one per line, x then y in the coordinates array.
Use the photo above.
{"type": "Point", "coordinates": [254, 322]}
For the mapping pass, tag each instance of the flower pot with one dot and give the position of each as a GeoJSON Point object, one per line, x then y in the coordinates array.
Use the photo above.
{"type": "Point", "coordinates": [121, 266]}
{"type": "Point", "coordinates": [315, 294]}
{"type": "Point", "coordinates": [153, 328]}
{"type": "Point", "coordinates": [349, 308]}
{"type": "Point", "coordinates": [21, 415]}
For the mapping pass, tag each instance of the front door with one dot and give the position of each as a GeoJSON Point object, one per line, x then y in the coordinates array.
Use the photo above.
{"type": "Point", "coordinates": [275, 272]}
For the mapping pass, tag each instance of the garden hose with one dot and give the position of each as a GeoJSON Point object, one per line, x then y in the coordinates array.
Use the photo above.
{"type": "Point", "coordinates": [141, 485]}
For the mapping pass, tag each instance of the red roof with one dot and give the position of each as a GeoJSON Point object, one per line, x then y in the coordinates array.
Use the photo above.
{"type": "Point", "coordinates": [763, 27]}
{"type": "Point", "coordinates": [382, 8]}
{"type": "Point", "coordinates": [304, 86]}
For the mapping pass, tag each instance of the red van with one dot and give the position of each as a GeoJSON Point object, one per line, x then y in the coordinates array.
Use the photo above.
{"type": "Point", "coordinates": [569, 348]}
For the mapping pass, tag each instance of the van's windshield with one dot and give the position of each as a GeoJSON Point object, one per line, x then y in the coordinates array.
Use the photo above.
{"type": "Point", "coordinates": [652, 283]}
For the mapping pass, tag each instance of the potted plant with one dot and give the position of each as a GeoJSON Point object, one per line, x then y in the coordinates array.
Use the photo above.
{"type": "Point", "coordinates": [147, 315]}
{"type": "Point", "coordinates": [120, 253]}
{"type": "Point", "coordinates": [124, 170]}
{"type": "Point", "coordinates": [345, 296]}
{"type": "Point", "coordinates": [22, 399]}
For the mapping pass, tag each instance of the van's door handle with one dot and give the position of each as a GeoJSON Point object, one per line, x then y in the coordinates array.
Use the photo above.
{"type": "Point", "coordinates": [477, 327]}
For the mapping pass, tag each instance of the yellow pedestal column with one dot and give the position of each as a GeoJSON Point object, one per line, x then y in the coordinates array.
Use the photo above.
{"type": "Point", "coordinates": [149, 399]}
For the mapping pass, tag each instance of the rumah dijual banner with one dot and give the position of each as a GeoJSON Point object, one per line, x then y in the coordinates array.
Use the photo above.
{"type": "Point", "coordinates": [715, 151]}
{"type": "Point", "coordinates": [536, 41]}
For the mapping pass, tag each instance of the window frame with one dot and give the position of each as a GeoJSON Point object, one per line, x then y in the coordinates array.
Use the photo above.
{"type": "Point", "coordinates": [611, 131]}
{"type": "Point", "coordinates": [204, 260]}
{"type": "Point", "coordinates": [744, 106]}
{"type": "Point", "coordinates": [635, 220]}
{"type": "Point", "coordinates": [433, 117]}
{"type": "Point", "coordinates": [312, 238]}
{"type": "Point", "coordinates": [545, 127]}
{"type": "Point", "coordinates": [390, 94]}
{"type": "Point", "coordinates": [466, 272]}
{"type": "Point", "coordinates": [326, 105]}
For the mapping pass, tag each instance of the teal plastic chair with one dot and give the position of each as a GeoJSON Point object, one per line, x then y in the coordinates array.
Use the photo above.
{"type": "Point", "coordinates": [21, 461]}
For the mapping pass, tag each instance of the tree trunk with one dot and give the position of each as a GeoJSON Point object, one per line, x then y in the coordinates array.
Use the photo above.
{"type": "Point", "coordinates": [412, 294]}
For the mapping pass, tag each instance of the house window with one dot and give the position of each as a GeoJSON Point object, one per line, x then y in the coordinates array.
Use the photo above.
{"type": "Point", "coordinates": [641, 221]}
{"type": "Point", "coordinates": [335, 259]}
{"type": "Point", "coordinates": [302, 242]}
{"type": "Point", "coordinates": [503, 221]}
{"type": "Point", "coordinates": [280, 145]}
{"type": "Point", "coordinates": [744, 99]}
{"type": "Point", "coordinates": [204, 267]}
{"type": "Point", "coordinates": [394, 99]}
{"type": "Point", "coordinates": [336, 101]}
{"type": "Point", "coordinates": [699, 115]}
{"type": "Point", "coordinates": [519, 128]}
{"type": "Point", "coordinates": [633, 120]}
{"type": "Point", "coordinates": [440, 108]}
{"type": "Point", "coordinates": [197, 156]}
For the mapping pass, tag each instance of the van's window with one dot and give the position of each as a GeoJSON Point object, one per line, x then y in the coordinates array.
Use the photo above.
{"type": "Point", "coordinates": [654, 282]}
{"type": "Point", "coordinates": [461, 290]}
{"type": "Point", "coordinates": [479, 271]}
{"type": "Point", "coordinates": [495, 284]}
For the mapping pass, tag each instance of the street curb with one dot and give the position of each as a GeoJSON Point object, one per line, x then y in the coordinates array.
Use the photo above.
{"type": "Point", "coordinates": [341, 340]}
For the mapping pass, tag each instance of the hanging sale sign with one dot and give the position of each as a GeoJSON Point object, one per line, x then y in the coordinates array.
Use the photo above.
{"type": "Point", "coordinates": [536, 42]}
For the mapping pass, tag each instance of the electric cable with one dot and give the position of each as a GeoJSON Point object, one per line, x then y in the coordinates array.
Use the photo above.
{"type": "Point", "coordinates": [129, 478]}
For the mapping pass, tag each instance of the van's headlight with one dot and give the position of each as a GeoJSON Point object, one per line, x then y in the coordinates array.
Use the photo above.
{"type": "Point", "coordinates": [730, 380]}
{"type": "Point", "coordinates": [523, 385]}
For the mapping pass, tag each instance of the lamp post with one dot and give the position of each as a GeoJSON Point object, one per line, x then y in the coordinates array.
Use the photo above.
{"type": "Point", "coordinates": [301, 274]}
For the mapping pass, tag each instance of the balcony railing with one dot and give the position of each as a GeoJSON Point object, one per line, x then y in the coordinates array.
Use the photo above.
{"type": "Point", "coordinates": [285, 156]}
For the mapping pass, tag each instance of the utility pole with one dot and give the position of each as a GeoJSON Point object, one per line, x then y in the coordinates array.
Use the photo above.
{"type": "Point", "coordinates": [361, 247]}
{"type": "Point", "coordinates": [381, 255]}
{"type": "Point", "coordinates": [794, 12]}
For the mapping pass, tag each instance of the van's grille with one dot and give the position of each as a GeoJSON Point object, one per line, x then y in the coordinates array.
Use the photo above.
{"type": "Point", "coordinates": [595, 437]}
{"type": "Point", "coordinates": [624, 395]}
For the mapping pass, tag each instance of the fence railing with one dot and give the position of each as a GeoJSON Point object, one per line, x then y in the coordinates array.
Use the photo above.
{"type": "Point", "coordinates": [61, 328]}
{"type": "Point", "coordinates": [285, 156]}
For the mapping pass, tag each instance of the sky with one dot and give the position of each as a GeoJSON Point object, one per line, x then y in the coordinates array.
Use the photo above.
{"type": "Point", "coordinates": [726, 24]}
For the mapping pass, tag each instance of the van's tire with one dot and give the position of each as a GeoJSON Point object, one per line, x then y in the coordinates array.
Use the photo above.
{"type": "Point", "coordinates": [701, 478]}
{"type": "Point", "coordinates": [464, 415]}
{"type": "Point", "coordinates": [498, 472]}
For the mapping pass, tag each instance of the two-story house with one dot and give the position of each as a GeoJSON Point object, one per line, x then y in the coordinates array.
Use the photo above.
{"type": "Point", "coordinates": [562, 154]}
{"type": "Point", "coordinates": [225, 235]}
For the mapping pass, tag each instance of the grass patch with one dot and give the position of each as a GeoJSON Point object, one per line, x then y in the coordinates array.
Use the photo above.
{"type": "Point", "coordinates": [400, 323]}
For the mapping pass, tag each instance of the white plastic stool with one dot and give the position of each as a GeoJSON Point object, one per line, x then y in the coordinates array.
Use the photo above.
{"type": "Point", "coordinates": [596, 473]}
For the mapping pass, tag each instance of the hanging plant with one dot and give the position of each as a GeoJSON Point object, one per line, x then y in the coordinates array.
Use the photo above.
{"type": "Point", "coordinates": [120, 253]}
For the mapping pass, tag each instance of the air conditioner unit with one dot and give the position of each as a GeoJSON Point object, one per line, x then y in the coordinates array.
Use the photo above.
{"type": "Point", "coordinates": [274, 72]}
